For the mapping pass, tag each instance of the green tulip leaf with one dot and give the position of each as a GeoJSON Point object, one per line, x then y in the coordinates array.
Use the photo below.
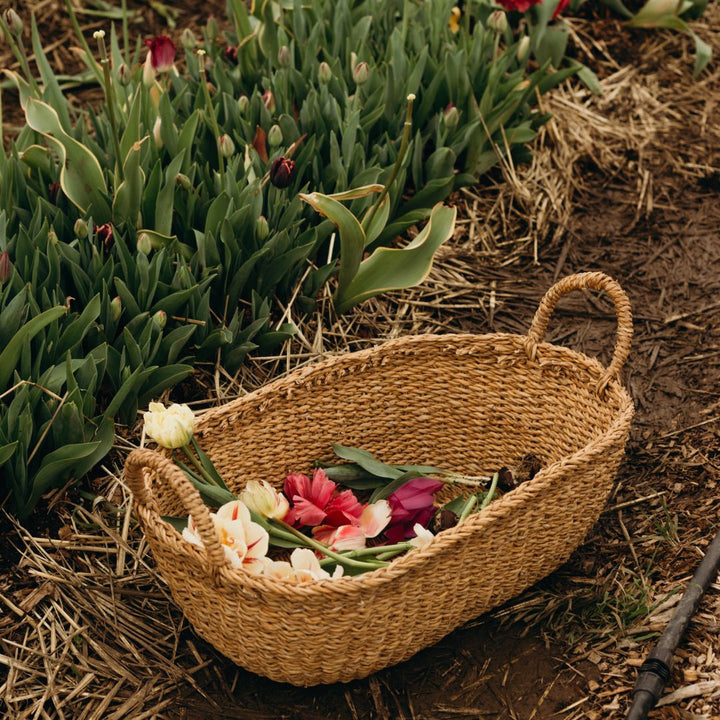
{"type": "Point", "coordinates": [352, 236]}
{"type": "Point", "coordinates": [6, 452]}
{"type": "Point", "coordinates": [81, 174]}
{"type": "Point", "coordinates": [128, 195]}
{"type": "Point", "coordinates": [11, 354]}
{"type": "Point", "coordinates": [396, 268]}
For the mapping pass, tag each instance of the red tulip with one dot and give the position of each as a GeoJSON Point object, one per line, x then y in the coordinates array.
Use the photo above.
{"type": "Point", "coordinates": [104, 233]}
{"type": "Point", "coordinates": [560, 7]}
{"type": "Point", "coordinates": [519, 5]}
{"type": "Point", "coordinates": [282, 172]}
{"type": "Point", "coordinates": [162, 53]}
{"type": "Point", "coordinates": [231, 54]}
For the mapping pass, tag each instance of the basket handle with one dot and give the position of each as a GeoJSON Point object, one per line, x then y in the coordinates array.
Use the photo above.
{"type": "Point", "coordinates": [585, 281]}
{"type": "Point", "coordinates": [143, 459]}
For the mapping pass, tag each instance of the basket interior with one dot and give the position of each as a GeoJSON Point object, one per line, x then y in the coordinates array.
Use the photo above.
{"type": "Point", "coordinates": [470, 404]}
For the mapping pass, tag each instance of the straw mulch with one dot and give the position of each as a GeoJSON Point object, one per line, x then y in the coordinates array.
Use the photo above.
{"type": "Point", "coordinates": [626, 183]}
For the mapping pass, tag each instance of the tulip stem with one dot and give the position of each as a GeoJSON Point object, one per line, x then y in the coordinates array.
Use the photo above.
{"type": "Point", "coordinates": [18, 50]}
{"type": "Point", "coordinates": [379, 552]}
{"type": "Point", "coordinates": [203, 472]}
{"type": "Point", "coordinates": [490, 492]}
{"type": "Point", "coordinates": [125, 32]}
{"type": "Point", "coordinates": [467, 508]}
{"type": "Point", "coordinates": [407, 127]}
{"type": "Point", "coordinates": [211, 114]}
{"type": "Point", "coordinates": [469, 480]}
{"type": "Point", "coordinates": [325, 550]}
{"type": "Point", "coordinates": [110, 100]}
{"type": "Point", "coordinates": [92, 63]}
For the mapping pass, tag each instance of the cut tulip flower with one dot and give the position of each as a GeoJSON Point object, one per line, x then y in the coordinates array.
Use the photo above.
{"type": "Point", "coordinates": [245, 543]}
{"type": "Point", "coordinates": [372, 521]}
{"type": "Point", "coordinates": [263, 499]}
{"type": "Point", "coordinates": [170, 427]}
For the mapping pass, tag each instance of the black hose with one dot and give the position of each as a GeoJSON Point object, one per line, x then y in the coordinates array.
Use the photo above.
{"type": "Point", "coordinates": [655, 671]}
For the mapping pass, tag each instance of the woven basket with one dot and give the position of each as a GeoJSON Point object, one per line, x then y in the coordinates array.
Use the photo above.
{"type": "Point", "coordinates": [465, 402]}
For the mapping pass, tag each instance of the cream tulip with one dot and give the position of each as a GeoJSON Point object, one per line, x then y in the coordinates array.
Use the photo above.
{"type": "Point", "coordinates": [170, 427]}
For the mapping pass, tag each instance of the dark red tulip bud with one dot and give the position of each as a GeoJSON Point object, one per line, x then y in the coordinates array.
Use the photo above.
{"type": "Point", "coordinates": [231, 54]}
{"type": "Point", "coordinates": [5, 267]}
{"type": "Point", "coordinates": [162, 53]}
{"type": "Point", "coordinates": [282, 172]}
{"type": "Point", "coordinates": [53, 191]}
{"type": "Point", "coordinates": [104, 233]}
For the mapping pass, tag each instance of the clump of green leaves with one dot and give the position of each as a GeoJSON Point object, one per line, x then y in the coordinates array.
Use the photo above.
{"type": "Point", "coordinates": [163, 227]}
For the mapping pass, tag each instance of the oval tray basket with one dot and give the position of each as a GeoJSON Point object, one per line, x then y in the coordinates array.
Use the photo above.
{"type": "Point", "coordinates": [469, 403]}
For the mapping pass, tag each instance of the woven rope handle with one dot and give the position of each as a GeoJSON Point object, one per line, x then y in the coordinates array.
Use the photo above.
{"type": "Point", "coordinates": [141, 460]}
{"type": "Point", "coordinates": [587, 281]}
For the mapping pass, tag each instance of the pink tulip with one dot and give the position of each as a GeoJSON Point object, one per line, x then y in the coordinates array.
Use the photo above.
{"type": "Point", "coordinates": [310, 498]}
{"type": "Point", "coordinates": [411, 503]}
{"type": "Point", "coordinates": [370, 523]}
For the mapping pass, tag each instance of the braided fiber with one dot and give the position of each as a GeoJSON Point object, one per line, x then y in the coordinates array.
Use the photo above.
{"type": "Point", "coordinates": [463, 402]}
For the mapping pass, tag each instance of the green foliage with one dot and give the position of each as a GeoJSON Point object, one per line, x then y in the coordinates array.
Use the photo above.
{"type": "Point", "coordinates": [139, 248]}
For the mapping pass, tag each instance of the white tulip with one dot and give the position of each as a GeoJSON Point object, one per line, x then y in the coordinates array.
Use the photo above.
{"type": "Point", "coordinates": [170, 427]}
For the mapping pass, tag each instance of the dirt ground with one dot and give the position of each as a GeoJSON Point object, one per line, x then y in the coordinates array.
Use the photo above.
{"type": "Point", "coordinates": [627, 184]}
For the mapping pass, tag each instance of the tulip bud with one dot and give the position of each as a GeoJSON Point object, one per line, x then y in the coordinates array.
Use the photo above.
{"type": "Point", "coordinates": [275, 136]}
{"type": "Point", "coordinates": [188, 39]}
{"type": "Point", "coordinates": [523, 49]}
{"type": "Point", "coordinates": [183, 181]}
{"type": "Point", "coordinates": [269, 101]}
{"type": "Point", "coordinates": [498, 21]}
{"type": "Point", "coordinates": [231, 53]}
{"type": "Point", "coordinates": [14, 22]}
{"type": "Point", "coordinates": [116, 308]}
{"type": "Point", "coordinates": [451, 116]}
{"type": "Point", "coordinates": [353, 60]}
{"type": "Point", "coordinates": [52, 237]}
{"type": "Point", "coordinates": [262, 229]}
{"type": "Point", "coordinates": [212, 29]}
{"type": "Point", "coordinates": [282, 172]}
{"type": "Point", "coordinates": [81, 228]}
{"type": "Point", "coordinates": [53, 190]}
{"type": "Point", "coordinates": [226, 146]}
{"type": "Point", "coordinates": [148, 74]}
{"type": "Point", "coordinates": [324, 73]}
{"type": "Point", "coordinates": [284, 56]}
{"type": "Point", "coordinates": [144, 244]}
{"type": "Point", "coordinates": [5, 267]}
{"type": "Point", "coordinates": [104, 233]}
{"type": "Point", "coordinates": [124, 74]}
{"type": "Point", "coordinates": [160, 318]}
{"type": "Point", "coordinates": [242, 103]}
{"type": "Point", "coordinates": [157, 134]}
{"type": "Point", "coordinates": [361, 73]}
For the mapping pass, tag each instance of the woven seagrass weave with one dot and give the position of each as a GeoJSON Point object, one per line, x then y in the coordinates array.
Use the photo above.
{"type": "Point", "coordinates": [467, 403]}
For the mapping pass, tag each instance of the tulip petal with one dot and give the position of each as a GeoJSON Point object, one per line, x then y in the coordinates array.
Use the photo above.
{"type": "Point", "coordinates": [375, 518]}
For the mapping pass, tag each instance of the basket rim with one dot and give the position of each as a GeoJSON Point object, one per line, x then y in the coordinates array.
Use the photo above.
{"type": "Point", "coordinates": [547, 354]}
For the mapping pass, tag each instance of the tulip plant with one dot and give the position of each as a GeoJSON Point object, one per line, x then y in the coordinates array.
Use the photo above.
{"type": "Point", "coordinates": [170, 224]}
{"type": "Point", "coordinates": [322, 521]}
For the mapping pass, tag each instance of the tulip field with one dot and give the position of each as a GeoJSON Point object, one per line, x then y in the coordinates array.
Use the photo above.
{"type": "Point", "coordinates": [197, 201]}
